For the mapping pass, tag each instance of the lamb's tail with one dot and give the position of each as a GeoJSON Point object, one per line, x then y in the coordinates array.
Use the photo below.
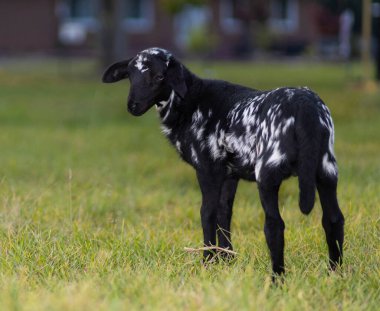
{"type": "Point", "coordinates": [306, 180]}
{"type": "Point", "coordinates": [309, 138]}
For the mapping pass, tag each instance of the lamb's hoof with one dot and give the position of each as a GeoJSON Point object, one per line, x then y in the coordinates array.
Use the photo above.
{"type": "Point", "coordinates": [217, 256]}
{"type": "Point", "coordinates": [209, 257]}
{"type": "Point", "coordinates": [278, 278]}
{"type": "Point", "coordinates": [226, 257]}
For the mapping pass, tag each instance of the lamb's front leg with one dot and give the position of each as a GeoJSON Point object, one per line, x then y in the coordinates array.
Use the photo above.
{"type": "Point", "coordinates": [211, 185]}
{"type": "Point", "coordinates": [224, 213]}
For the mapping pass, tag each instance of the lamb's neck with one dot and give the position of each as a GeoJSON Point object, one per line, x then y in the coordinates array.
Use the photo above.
{"type": "Point", "coordinates": [173, 110]}
{"type": "Point", "coordinates": [194, 86]}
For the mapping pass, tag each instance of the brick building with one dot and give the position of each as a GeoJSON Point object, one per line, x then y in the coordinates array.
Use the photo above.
{"type": "Point", "coordinates": [44, 25]}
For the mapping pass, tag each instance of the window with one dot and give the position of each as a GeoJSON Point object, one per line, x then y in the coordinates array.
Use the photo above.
{"type": "Point", "coordinates": [188, 21]}
{"type": "Point", "coordinates": [136, 15]}
{"type": "Point", "coordinates": [134, 9]}
{"type": "Point", "coordinates": [81, 9]}
{"type": "Point", "coordinates": [228, 20]}
{"type": "Point", "coordinates": [284, 15]}
{"type": "Point", "coordinates": [80, 12]}
{"type": "Point", "coordinates": [139, 15]}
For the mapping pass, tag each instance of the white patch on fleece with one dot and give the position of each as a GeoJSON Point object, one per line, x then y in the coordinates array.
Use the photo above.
{"type": "Point", "coordinates": [273, 130]}
{"type": "Point", "coordinates": [289, 93]}
{"type": "Point", "coordinates": [276, 157]}
{"type": "Point", "coordinates": [324, 124]}
{"type": "Point", "coordinates": [153, 51]}
{"type": "Point", "coordinates": [199, 133]}
{"type": "Point", "coordinates": [215, 143]}
{"type": "Point", "coordinates": [264, 130]}
{"type": "Point", "coordinates": [259, 148]}
{"type": "Point", "coordinates": [212, 142]}
{"type": "Point", "coordinates": [331, 138]}
{"type": "Point", "coordinates": [249, 115]}
{"type": "Point", "coordinates": [197, 117]}
{"type": "Point", "coordinates": [258, 166]}
{"type": "Point", "coordinates": [194, 155]}
{"type": "Point", "coordinates": [142, 57]}
{"type": "Point", "coordinates": [139, 63]}
{"type": "Point", "coordinates": [156, 51]}
{"type": "Point", "coordinates": [287, 124]}
{"type": "Point", "coordinates": [221, 138]}
{"type": "Point", "coordinates": [261, 97]}
{"type": "Point", "coordinates": [167, 131]}
{"type": "Point", "coordinates": [164, 103]}
{"type": "Point", "coordinates": [198, 125]}
{"type": "Point", "coordinates": [240, 145]}
{"type": "Point", "coordinates": [328, 166]}
{"type": "Point", "coordinates": [326, 121]}
{"type": "Point", "coordinates": [178, 146]}
{"type": "Point", "coordinates": [270, 143]}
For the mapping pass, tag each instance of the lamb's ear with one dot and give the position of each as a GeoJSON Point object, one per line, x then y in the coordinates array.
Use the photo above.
{"type": "Point", "coordinates": [116, 72]}
{"type": "Point", "coordinates": [176, 77]}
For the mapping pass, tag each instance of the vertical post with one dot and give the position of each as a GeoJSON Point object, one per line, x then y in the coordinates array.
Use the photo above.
{"type": "Point", "coordinates": [376, 15]}
{"type": "Point", "coordinates": [378, 52]}
{"type": "Point", "coordinates": [120, 44]}
{"type": "Point", "coordinates": [366, 39]}
{"type": "Point", "coordinates": [106, 8]}
{"type": "Point", "coordinates": [112, 36]}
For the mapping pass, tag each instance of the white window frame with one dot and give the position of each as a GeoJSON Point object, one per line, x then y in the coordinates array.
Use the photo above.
{"type": "Point", "coordinates": [290, 23]}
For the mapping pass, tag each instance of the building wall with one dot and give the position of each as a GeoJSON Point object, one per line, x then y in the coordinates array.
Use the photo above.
{"type": "Point", "coordinates": [308, 29]}
{"type": "Point", "coordinates": [161, 34]}
{"type": "Point", "coordinates": [27, 26]}
{"type": "Point", "coordinates": [32, 26]}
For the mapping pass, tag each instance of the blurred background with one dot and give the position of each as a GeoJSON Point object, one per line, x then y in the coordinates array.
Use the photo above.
{"type": "Point", "coordinates": [107, 30]}
{"type": "Point", "coordinates": [95, 205]}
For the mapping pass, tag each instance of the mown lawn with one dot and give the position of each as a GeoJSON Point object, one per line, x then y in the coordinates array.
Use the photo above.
{"type": "Point", "coordinates": [96, 207]}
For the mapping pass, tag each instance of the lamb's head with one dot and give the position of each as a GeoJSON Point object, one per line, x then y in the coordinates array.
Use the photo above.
{"type": "Point", "coordinates": [153, 73]}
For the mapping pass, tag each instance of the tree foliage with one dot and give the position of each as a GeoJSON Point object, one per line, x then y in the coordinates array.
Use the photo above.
{"type": "Point", "coordinates": [175, 6]}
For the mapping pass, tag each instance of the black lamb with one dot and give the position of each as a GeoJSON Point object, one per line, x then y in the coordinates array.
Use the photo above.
{"type": "Point", "coordinates": [229, 132]}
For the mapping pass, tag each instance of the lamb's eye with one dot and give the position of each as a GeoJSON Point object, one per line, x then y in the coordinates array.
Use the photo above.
{"type": "Point", "coordinates": [159, 78]}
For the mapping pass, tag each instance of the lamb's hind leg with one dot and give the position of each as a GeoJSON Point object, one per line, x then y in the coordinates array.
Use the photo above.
{"type": "Point", "coordinates": [274, 226]}
{"type": "Point", "coordinates": [332, 219]}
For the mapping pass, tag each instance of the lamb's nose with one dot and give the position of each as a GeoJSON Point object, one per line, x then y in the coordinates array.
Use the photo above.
{"type": "Point", "coordinates": [132, 106]}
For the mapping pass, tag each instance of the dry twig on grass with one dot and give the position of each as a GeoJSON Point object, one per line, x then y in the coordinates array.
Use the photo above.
{"type": "Point", "coordinates": [209, 248]}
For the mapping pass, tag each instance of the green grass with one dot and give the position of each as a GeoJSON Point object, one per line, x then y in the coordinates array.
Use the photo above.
{"type": "Point", "coordinates": [96, 207]}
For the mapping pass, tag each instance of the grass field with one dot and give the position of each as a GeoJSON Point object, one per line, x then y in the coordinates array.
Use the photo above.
{"type": "Point", "coordinates": [96, 207]}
